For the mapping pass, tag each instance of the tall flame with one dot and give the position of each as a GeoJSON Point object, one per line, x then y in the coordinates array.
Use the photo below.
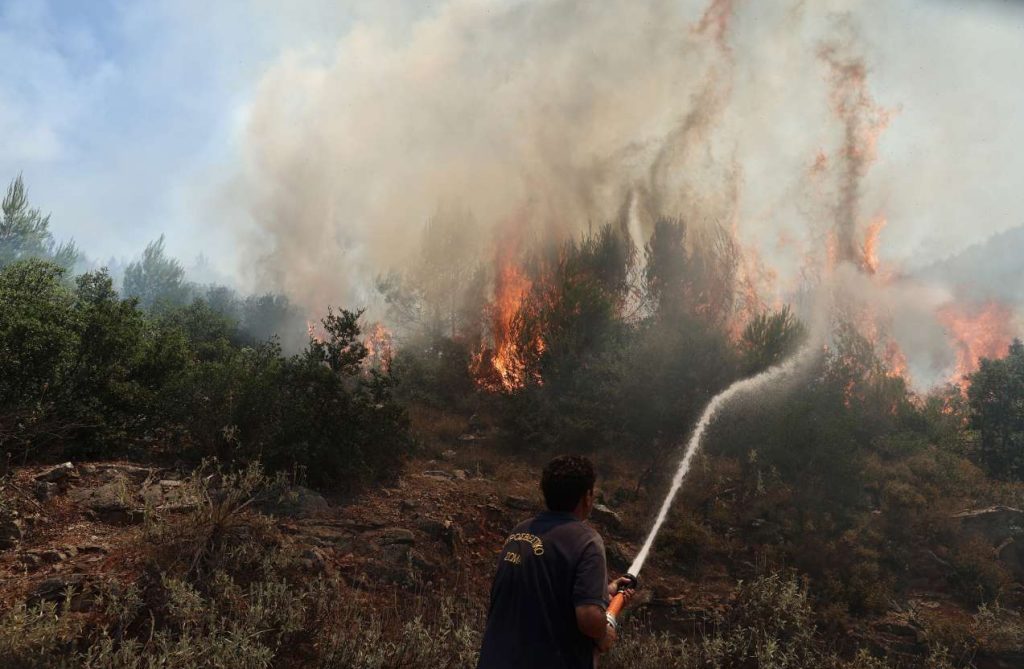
{"type": "Point", "coordinates": [379, 343]}
{"type": "Point", "coordinates": [869, 251]}
{"type": "Point", "coordinates": [505, 365]}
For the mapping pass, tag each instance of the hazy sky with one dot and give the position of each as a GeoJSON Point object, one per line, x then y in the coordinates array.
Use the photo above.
{"type": "Point", "coordinates": [128, 119]}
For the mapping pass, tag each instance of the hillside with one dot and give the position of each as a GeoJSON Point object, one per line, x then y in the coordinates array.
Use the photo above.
{"type": "Point", "coordinates": [93, 538]}
{"type": "Point", "coordinates": [990, 270]}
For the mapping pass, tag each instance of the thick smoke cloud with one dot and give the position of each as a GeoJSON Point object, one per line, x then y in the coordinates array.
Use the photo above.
{"type": "Point", "coordinates": [543, 118]}
{"type": "Point", "coordinates": [540, 116]}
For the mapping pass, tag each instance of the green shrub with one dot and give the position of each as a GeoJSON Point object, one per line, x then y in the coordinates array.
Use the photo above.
{"type": "Point", "coordinates": [81, 366]}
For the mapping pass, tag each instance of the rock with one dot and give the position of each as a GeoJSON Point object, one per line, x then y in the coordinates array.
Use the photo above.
{"type": "Point", "coordinates": [44, 490]}
{"type": "Point", "coordinates": [295, 502]}
{"type": "Point", "coordinates": [606, 516]}
{"type": "Point", "coordinates": [330, 537]}
{"type": "Point", "coordinates": [448, 454]}
{"type": "Point", "coordinates": [1003, 527]}
{"type": "Point", "coordinates": [1011, 553]}
{"type": "Point", "coordinates": [432, 527]}
{"type": "Point", "coordinates": [169, 495]}
{"type": "Point", "coordinates": [395, 535]}
{"type": "Point", "coordinates": [898, 629]}
{"type": "Point", "coordinates": [364, 521]}
{"type": "Point", "coordinates": [95, 552]}
{"type": "Point", "coordinates": [54, 555]}
{"type": "Point", "coordinates": [438, 474]}
{"type": "Point", "coordinates": [10, 530]}
{"type": "Point", "coordinates": [408, 505]}
{"type": "Point", "coordinates": [446, 531]}
{"type": "Point", "coordinates": [425, 565]}
{"type": "Point", "coordinates": [618, 556]}
{"type": "Point", "coordinates": [109, 503]}
{"type": "Point", "coordinates": [460, 474]}
{"type": "Point", "coordinates": [58, 474]}
{"type": "Point", "coordinates": [519, 503]}
{"type": "Point", "coordinates": [30, 561]}
{"type": "Point", "coordinates": [56, 589]}
{"type": "Point", "coordinates": [392, 564]}
{"type": "Point", "coordinates": [34, 559]}
{"type": "Point", "coordinates": [995, 522]}
{"type": "Point", "coordinates": [313, 559]}
{"type": "Point", "coordinates": [123, 473]}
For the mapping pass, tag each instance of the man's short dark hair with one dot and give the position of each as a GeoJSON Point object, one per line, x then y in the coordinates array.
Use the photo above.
{"type": "Point", "coordinates": [566, 479]}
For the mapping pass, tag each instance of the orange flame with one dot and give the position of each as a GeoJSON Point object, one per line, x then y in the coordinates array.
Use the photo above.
{"type": "Point", "coordinates": [505, 367]}
{"type": "Point", "coordinates": [380, 344]}
{"type": "Point", "coordinates": [895, 360]}
{"type": "Point", "coordinates": [978, 332]}
{"type": "Point", "coordinates": [869, 251]}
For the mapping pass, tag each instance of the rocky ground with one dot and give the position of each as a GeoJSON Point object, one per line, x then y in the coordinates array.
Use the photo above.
{"type": "Point", "coordinates": [437, 527]}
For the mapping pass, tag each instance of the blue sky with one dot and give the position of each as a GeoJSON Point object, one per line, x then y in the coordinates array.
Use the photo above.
{"type": "Point", "coordinates": [122, 116]}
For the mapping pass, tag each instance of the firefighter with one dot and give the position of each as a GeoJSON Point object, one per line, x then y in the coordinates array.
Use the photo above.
{"type": "Point", "coordinates": [551, 589]}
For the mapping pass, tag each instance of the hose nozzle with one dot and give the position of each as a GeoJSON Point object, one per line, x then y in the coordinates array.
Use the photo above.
{"type": "Point", "coordinates": [619, 600]}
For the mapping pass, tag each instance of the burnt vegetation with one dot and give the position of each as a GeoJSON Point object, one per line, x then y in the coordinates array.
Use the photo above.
{"type": "Point", "coordinates": [829, 501]}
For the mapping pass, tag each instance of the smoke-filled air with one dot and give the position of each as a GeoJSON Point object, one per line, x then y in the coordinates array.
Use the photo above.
{"type": "Point", "coordinates": [512, 333]}
{"type": "Point", "coordinates": [520, 125]}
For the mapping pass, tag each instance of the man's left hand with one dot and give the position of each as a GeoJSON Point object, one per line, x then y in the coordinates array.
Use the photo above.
{"type": "Point", "coordinates": [621, 582]}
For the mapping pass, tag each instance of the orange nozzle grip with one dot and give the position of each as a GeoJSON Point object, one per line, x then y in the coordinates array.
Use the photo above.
{"type": "Point", "coordinates": [615, 607]}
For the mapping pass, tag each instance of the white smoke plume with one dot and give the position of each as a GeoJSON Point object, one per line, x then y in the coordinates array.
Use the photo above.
{"type": "Point", "coordinates": [545, 117]}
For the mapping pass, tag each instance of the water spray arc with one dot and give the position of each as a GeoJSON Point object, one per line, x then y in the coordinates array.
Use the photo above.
{"type": "Point", "coordinates": [717, 402]}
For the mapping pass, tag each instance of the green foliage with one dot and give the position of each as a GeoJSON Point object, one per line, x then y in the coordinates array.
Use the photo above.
{"type": "Point", "coordinates": [996, 397]}
{"type": "Point", "coordinates": [320, 411]}
{"type": "Point", "coordinates": [769, 338]}
{"type": "Point", "coordinates": [434, 371]}
{"type": "Point", "coordinates": [221, 588]}
{"type": "Point", "coordinates": [770, 623]}
{"type": "Point", "coordinates": [156, 281]}
{"type": "Point", "coordinates": [77, 362]}
{"type": "Point", "coordinates": [87, 373]}
{"type": "Point", "coordinates": [36, 330]}
{"type": "Point", "coordinates": [340, 350]}
{"type": "Point", "coordinates": [25, 232]}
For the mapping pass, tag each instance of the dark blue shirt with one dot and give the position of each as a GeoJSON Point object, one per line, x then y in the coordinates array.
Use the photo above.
{"type": "Point", "coordinates": [548, 566]}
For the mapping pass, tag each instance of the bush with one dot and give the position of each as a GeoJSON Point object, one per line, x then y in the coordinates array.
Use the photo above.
{"type": "Point", "coordinates": [769, 624]}
{"type": "Point", "coordinates": [81, 366]}
{"type": "Point", "coordinates": [89, 374]}
{"type": "Point", "coordinates": [434, 371]}
{"type": "Point", "coordinates": [222, 589]}
{"type": "Point", "coordinates": [322, 412]}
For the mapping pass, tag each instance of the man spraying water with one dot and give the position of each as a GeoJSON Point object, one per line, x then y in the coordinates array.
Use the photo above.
{"type": "Point", "coordinates": [556, 611]}
{"type": "Point", "coordinates": [551, 590]}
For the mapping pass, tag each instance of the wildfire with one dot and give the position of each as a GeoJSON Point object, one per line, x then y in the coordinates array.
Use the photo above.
{"type": "Point", "coordinates": [977, 332]}
{"type": "Point", "coordinates": [895, 360]}
{"type": "Point", "coordinates": [314, 330]}
{"type": "Point", "coordinates": [869, 250]}
{"type": "Point", "coordinates": [505, 366]}
{"type": "Point", "coordinates": [379, 348]}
